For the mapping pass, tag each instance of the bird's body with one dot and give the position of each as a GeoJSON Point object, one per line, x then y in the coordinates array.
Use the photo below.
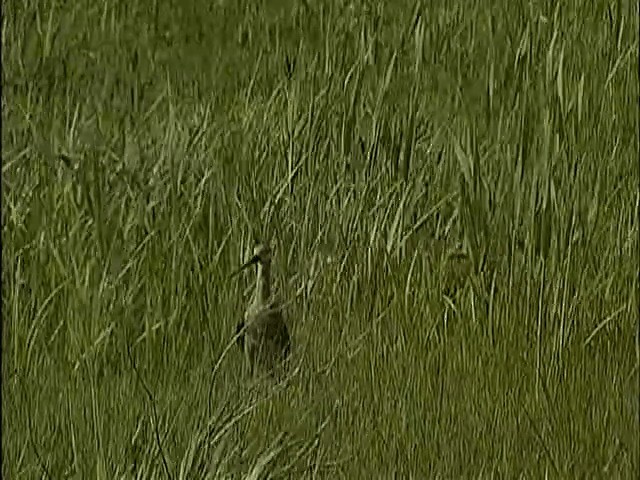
{"type": "Point", "coordinates": [263, 335]}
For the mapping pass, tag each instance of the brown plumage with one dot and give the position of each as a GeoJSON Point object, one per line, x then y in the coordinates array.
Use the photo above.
{"type": "Point", "coordinates": [263, 335]}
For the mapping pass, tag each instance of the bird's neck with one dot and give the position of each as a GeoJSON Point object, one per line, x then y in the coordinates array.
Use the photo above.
{"type": "Point", "coordinates": [263, 283]}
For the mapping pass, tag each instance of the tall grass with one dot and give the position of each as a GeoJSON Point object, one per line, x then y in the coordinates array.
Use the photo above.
{"type": "Point", "coordinates": [451, 190]}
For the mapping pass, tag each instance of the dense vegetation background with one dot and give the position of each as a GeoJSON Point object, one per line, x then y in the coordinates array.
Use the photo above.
{"type": "Point", "coordinates": [451, 191]}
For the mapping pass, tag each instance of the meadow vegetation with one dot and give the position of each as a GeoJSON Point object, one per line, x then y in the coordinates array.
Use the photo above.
{"type": "Point", "coordinates": [451, 192]}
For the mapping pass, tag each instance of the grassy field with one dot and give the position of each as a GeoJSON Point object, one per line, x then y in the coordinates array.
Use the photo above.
{"type": "Point", "coordinates": [451, 192]}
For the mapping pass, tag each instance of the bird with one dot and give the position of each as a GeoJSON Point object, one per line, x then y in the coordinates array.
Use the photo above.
{"type": "Point", "coordinates": [262, 335]}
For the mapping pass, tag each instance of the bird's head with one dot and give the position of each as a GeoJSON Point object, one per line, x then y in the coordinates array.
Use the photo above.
{"type": "Point", "coordinates": [261, 254]}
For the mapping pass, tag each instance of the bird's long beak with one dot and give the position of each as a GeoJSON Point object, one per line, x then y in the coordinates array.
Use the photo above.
{"type": "Point", "coordinates": [255, 259]}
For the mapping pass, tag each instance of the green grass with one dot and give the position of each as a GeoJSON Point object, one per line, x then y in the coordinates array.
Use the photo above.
{"type": "Point", "coordinates": [451, 191]}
